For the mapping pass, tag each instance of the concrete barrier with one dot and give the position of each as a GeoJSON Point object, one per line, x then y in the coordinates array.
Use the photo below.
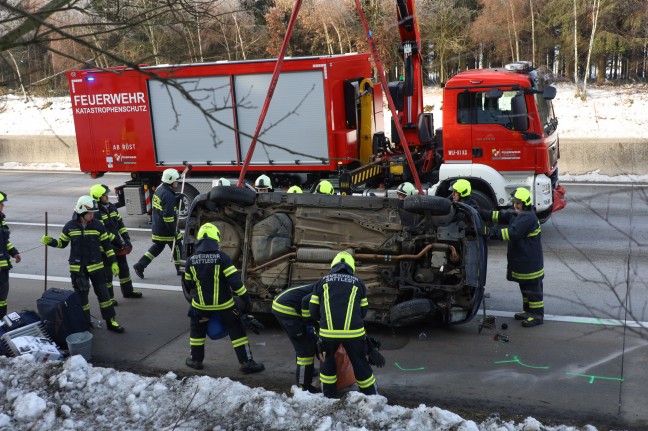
{"type": "Point", "coordinates": [577, 156]}
{"type": "Point", "coordinates": [39, 149]}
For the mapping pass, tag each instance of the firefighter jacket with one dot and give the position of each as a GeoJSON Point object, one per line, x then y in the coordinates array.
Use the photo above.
{"type": "Point", "coordinates": [88, 245]}
{"type": "Point", "coordinates": [294, 302]}
{"type": "Point", "coordinates": [211, 277]}
{"type": "Point", "coordinates": [340, 304]}
{"type": "Point", "coordinates": [114, 224]}
{"type": "Point", "coordinates": [165, 214]}
{"type": "Point", "coordinates": [7, 250]}
{"type": "Point", "coordinates": [468, 200]}
{"type": "Point", "coordinates": [524, 256]}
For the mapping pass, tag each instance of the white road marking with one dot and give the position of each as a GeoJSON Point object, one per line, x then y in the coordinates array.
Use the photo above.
{"type": "Point", "coordinates": [115, 283]}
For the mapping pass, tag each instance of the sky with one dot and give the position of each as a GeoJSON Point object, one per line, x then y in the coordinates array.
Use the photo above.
{"type": "Point", "coordinates": [74, 395]}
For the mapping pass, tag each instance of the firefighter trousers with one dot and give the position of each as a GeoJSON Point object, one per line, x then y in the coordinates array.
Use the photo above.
{"type": "Point", "coordinates": [125, 280]}
{"type": "Point", "coordinates": [157, 248]}
{"type": "Point", "coordinates": [81, 283]}
{"type": "Point", "coordinates": [304, 345]}
{"type": "Point", "coordinates": [231, 321]}
{"type": "Point", "coordinates": [4, 291]}
{"type": "Point", "coordinates": [532, 297]}
{"type": "Point", "coordinates": [356, 348]}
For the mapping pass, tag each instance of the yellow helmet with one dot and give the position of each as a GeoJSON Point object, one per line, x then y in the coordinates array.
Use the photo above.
{"type": "Point", "coordinates": [462, 187]}
{"type": "Point", "coordinates": [98, 190]}
{"type": "Point", "coordinates": [295, 189]}
{"type": "Point", "coordinates": [325, 188]}
{"type": "Point", "coordinates": [523, 195]}
{"type": "Point", "coordinates": [345, 257]}
{"type": "Point", "coordinates": [3, 197]}
{"type": "Point", "coordinates": [210, 231]}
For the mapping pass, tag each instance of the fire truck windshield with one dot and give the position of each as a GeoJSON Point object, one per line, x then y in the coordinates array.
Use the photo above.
{"type": "Point", "coordinates": [477, 108]}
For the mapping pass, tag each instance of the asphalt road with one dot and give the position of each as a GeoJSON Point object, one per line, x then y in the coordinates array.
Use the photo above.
{"type": "Point", "coordinates": [585, 365]}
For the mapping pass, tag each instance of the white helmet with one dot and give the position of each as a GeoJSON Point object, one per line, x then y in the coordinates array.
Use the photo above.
{"type": "Point", "coordinates": [170, 176]}
{"type": "Point", "coordinates": [263, 182]}
{"type": "Point", "coordinates": [222, 182]}
{"type": "Point", "coordinates": [86, 204]}
{"type": "Point", "coordinates": [406, 189]}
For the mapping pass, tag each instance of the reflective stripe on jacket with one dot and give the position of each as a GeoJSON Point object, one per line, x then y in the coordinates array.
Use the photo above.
{"type": "Point", "coordinates": [340, 304]}
{"type": "Point", "coordinates": [164, 215]}
{"type": "Point", "coordinates": [88, 245]}
{"type": "Point", "coordinates": [524, 236]}
{"type": "Point", "coordinates": [211, 277]}
{"type": "Point", "coordinates": [7, 250]}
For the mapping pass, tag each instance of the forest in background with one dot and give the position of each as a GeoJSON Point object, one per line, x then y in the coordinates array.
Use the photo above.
{"type": "Point", "coordinates": [603, 40]}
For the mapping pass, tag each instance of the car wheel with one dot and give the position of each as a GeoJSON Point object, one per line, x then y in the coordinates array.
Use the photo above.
{"type": "Point", "coordinates": [410, 312]}
{"type": "Point", "coordinates": [237, 195]}
{"type": "Point", "coordinates": [435, 205]}
{"type": "Point", "coordinates": [187, 196]}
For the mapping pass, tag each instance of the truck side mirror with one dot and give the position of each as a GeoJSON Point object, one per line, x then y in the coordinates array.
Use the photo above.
{"type": "Point", "coordinates": [425, 127]}
{"type": "Point", "coordinates": [549, 92]}
{"type": "Point", "coordinates": [519, 111]}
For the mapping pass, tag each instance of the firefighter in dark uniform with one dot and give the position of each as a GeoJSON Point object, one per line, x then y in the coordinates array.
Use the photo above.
{"type": "Point", "coordinates": [524, 256]}
{"type": "Point", "coordinates": [291, 308]}
{"type": "Point", "coordinates": [89, 241]}
{"type": "Point", "coordinates": [340, 305]}
{"type": "Point", "coordinates": [7, 251]}
{"type": "Point", "coordinates": [165, 222]}
{"type": "Point", "coordinates": [211, 277]}
{"type": "Point", "coordinates": [461, 190]}
{"type": "Point", "coordinates": [120, 239]}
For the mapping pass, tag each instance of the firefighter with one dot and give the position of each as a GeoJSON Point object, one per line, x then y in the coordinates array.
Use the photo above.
{"type": "Point", "coordinates": [405, 189]}
{"type": "Point", "coordinates": [461, 191]}
{"type": "Point", "coordinates": [90, 242]}
{"type": "Point", "coordinates": [291, 308]}
{"type": "Point", "coordinates": [224, 182]}
{"type": "Point", "coordinates": [324, 188]}
{"type": "Point", "coordinates": [263, 184]}
{"type": "Point", "coordinates": [165, 223]}
{"type": "Point", "coordinates": [295, 189]}
{"type": "Point", "coordinates": [120, 239]}
{"type": "Point", "coordinates": [524, 256]}
{"type": "Point", "coordinates": [211, 277]}
{"type": "Point", "coordinates": [7, 251]}
{"type": "Point", "coordinates": [339, 304]}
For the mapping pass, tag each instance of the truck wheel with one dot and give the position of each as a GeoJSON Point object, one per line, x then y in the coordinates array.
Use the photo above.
{"type": "Point", "coordinates": [410, 312]}
{"type": "Point", "coordinates": [483, 200]}
{"type": "Point", "coordinates": [435, 205]}
{"type": "Point", "coordinates": [187, 197]}
{"type": "Point", "coordinates": [237, 195]}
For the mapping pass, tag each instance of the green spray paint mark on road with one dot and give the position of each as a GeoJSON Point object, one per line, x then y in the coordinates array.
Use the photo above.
{"type": "Point", "coordinates": [408, 369]}
{"type": "Point", "coordinates": [593, 378]}
{"type": "Point", "coordinates": [517, 360]}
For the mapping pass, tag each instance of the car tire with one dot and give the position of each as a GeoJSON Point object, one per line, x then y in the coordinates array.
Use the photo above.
{"type": "Point", "coordinates": [410, 312]}
{"type": "Point", "coordinates": [420, 204]}
{"type": "Point", "coordinates": [237, 195]}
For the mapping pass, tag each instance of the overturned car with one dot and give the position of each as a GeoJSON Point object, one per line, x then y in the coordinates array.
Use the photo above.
{"type": "Point", "coordinates": [422, 258]}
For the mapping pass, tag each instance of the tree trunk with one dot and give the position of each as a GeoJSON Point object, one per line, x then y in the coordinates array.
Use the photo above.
{"type": "Point", "coordinates": [576, 49]}
{"type": "Point", "coordinates": [533, 42]}
{"type": "Point", "coordinates": [240, 37]}
{"type": "Point", "coordinates": [595, 13]}
{"type": "Point", "coordinates": [515, 33]}
{"type": "Point", "coordinates": [601, 73]}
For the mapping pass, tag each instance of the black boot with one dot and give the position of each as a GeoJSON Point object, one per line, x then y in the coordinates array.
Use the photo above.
{"type": "Point", "coordinates": [113, 326]}
{"type": "Point", "coordinates": [250, 367]}
{"type": "Point", "coordinates": [139, 269]}
{"type": "Point", "coordinates": [193, 364]}
{"type": "Point", "coordinates": [133, 294]}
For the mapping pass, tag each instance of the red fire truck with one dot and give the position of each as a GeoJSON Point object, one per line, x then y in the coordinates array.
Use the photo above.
{"type": "Point", "coordinates": [324, 121]}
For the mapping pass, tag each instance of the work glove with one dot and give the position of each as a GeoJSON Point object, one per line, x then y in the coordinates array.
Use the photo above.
{"type": "Point", "coordinates": [247, 303]}
{"type": "Point", "coordinates": [321, 350]}
{"type": "Point", "coordinates": [46, 240]}
{"type": "Point", "coordinates": [115, 268]}
{"type": "Point", "coordinates": [128, 244]}
{"type": "Point", "coordinates": [485, 214]}
{"type": "Point", "coordinates": [252, 324]}
{"type": "Point", "coordinates": [373, 356]}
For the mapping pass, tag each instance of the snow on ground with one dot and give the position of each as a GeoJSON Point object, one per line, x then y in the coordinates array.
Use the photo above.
{"type": "Point", "coordinates": [74, 395]}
